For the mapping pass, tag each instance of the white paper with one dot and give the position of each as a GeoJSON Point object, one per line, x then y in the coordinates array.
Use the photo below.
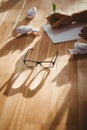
{"type": "Point", "coordinates": [31, 12]}
{"type": "Point", "coordinates": [26, 29]}
{"type": "Point", "coordinates": [63, 34]}
{"type": "Point", "coordinates": [79, 48]}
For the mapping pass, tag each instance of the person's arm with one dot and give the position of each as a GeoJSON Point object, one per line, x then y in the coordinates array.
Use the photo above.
{"type": "Point", "coordinates": [83, 32]}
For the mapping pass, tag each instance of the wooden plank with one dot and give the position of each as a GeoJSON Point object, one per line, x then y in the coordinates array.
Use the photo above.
{"type": "Point", "coordinates": [82, 93]}
{"type": "Point", "coordinates": [39, 99]}
{"type": "Point", "coordinates": [65, 101]}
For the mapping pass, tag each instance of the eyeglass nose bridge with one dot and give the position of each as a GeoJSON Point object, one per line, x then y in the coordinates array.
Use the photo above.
{"type": "Point", "coordinates": [38, 63]}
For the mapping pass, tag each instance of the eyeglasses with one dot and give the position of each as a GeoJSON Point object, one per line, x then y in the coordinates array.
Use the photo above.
{"type": "Point", "coordinates": [44, 64]}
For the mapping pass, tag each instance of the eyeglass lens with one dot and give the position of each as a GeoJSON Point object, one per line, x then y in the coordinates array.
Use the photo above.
{"type": "Point", "coordinates": [43, 64]}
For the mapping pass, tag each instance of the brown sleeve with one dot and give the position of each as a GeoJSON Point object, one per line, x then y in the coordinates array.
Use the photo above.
{"type": "Point", "coordinates": [80, 16]}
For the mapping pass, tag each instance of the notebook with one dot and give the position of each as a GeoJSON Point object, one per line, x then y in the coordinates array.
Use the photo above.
{"type": "Point", "coordinates": [63, 34]}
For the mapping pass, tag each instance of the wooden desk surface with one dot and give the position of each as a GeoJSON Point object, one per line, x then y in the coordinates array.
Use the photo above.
{"type": "Point", "coordinates": [39, 99]}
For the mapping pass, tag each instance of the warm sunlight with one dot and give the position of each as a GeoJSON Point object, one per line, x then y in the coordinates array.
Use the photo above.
{"type": "Point", "coordinates": [20, 80]}
{"type": "Point", "coordinates": [43, 65]}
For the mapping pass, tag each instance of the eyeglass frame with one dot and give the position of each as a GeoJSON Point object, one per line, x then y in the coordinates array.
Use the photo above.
{"type": "Point", "coordinates": [39, 62]}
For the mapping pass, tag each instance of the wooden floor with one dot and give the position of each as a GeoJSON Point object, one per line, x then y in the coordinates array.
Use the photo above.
{"type": "Point", "coordinates": [40, 99]}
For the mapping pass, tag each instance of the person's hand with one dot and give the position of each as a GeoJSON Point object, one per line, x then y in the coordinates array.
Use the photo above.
{"type": "Point", "coordinates": [58, 19]}
{"type": "Point", "coordinates": [83, 32]}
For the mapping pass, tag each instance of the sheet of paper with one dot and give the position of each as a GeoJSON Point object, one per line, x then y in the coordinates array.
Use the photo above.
{"type": "Point", "coordinates": [63, 34]}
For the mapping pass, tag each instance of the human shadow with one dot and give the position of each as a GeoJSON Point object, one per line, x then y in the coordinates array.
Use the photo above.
{"type": "Point", "coordinates": [12, 85]}
{"type": "Point", "coordinates": [67, 99]}
{"type": "Point", "coordinates": [19, 69]}
{"type": "Point", "coordinates": [18, 43]}
{"type": "Point", "coordinates": [72, 116]}
{"type": "Point", "coordinates": [4, 5]}
{"type": "Point", "coordinates": [68, 75]}
{"type": "Point", "coordinates": [25, 87]}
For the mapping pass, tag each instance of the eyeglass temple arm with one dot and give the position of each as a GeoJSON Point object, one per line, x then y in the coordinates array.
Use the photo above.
{"type": "Point", "coordinates": [27, 53]}
{"type": "Point", "coordinates": [56, 56]}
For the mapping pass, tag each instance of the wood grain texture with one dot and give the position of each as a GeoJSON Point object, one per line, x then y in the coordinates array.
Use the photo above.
{"type": "Point", "coordinates": [37, 98]}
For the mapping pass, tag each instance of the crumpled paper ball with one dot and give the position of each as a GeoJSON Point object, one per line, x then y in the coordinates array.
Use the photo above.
{"type": "Point", "coordinates": [31, 12]}
{"type": "Point", "coordinates": [79, 48]}
{"type": "Point", "coordinates": [26, 29]}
